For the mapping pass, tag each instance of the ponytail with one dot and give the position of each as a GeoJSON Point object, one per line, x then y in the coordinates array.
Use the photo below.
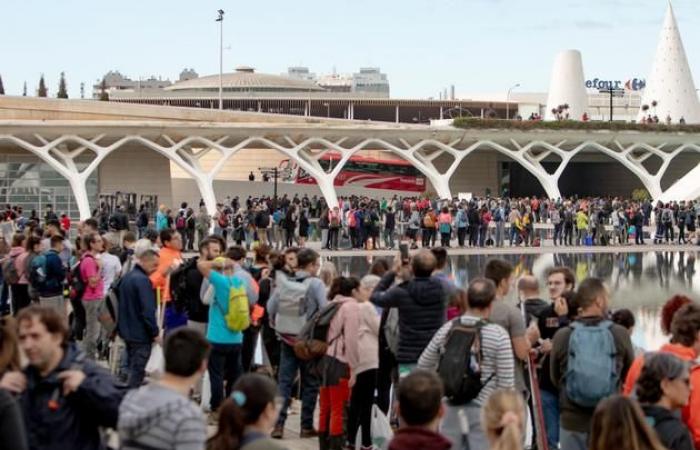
{"type": "Point", "coordinates": [231, 427]}
{"type": "Point", "coordinates": [510, 436]}
{"type": "Point", "coordinates": [503, 419]}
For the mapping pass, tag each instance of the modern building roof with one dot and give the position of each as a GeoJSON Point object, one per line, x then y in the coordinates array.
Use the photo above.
{"type": "Point", "coordinates": [245, 79]}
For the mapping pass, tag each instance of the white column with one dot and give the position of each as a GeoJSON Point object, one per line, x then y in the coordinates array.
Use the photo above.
{"type": "Point", "coordinates": [441, 113]}
{"type": "Point", "coordinates": [325, 183]}
{"type": "Point", "coordinates": [397, 114]}
{"type": "Point", "coordinates": [352, 111]}
{"type": "Point", "coordinates": [79, 188]}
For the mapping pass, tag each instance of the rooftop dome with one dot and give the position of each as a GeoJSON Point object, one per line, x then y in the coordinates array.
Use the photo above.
{"type": "Point", "coordinates": [245, 79]}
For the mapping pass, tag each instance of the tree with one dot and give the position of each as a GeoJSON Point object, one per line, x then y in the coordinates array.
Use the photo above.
{"type": "Point", "coordinates": [42, 91]}
{"type": "Point", "coordinates": [24, 90]}
{"type": "Point", "coordinates": [104, 96]}
{"type": "Point", "coordinates": [62, 93]}
{"type": "Point", "coordinates": [2, 88]}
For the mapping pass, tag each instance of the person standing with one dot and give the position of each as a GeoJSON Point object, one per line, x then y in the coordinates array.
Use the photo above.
{"type": "Point", "coordinates": [590, 358]}
{"type": "Point", "coordinates": [49, 282]}
{"type": "Point", "coordinates": [136, 321]}
{"type": "Point", "coordinates": [334, 225]}
{"type": "Point", "coordinates": [93, 295]}
{"type": "Point", "coordinates": [203, 224]}
{"type": "Point", "coordinates": [170, 257]}
{"type": "Point", "coordinates": [14, 272]}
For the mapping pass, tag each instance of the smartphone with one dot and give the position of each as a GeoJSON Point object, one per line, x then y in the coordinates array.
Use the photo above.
{"type": "Point", "coordinates": [403, 250]}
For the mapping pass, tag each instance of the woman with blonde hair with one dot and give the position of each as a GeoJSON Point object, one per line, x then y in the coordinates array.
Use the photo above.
{"type": "Point", "coordinates": [618, 423]}
{"type": "Point", "coordinates": [328, 273]}
{"type": "Point", "coordinates": [503, 420]}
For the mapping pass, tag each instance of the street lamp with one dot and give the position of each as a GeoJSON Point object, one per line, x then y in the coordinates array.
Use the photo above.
{"type": "Point", "coordinates": [220, 19]}
{"type": "Point", "coordinates": [508, 100]}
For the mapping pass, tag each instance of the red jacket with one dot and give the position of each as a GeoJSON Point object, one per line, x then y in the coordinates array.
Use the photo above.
{"type": "Point", "coordinates": [414, 438]}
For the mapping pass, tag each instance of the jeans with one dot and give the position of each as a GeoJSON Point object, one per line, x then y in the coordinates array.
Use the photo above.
{"type": "Point", "coordinates": [461, 235]}
{"type": "Point", "coordinates": [289, 365]}
{"type": "Point", "coordinates": [557, 233]}
{"type": "Point", "coordinates": [223, 357]}
{"type": "Point", "coordinates": [389, 238]}
{"type": "Point", "coordinates": [137, 354]}
{"type": "Point", "coordinates": [333, 238]}
{"type": "Point", "coordinates": [57, 303]}
{"type": "Point", "coordinates": [500, 229]}
{"type": "Point", "coordinates": [638, 234]}
{"type": "Point", "coordinates": [573, 440]}
{"type": "Point", "coordinates": [324, 238]}
{"type": "Point", "coordinates": [550, 411]}
{"type": "Point", "coordinates": [514, 235]}
{"type": "Point", "coordinates": [568, 235]}
{"type": "Point", "coordinates": [92, 326]}
{"type": "Point", "coordinates": [464, 436]}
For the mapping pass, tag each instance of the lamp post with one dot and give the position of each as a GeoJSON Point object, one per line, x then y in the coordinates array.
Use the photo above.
{"type": "Point", "coordinates": [220, 19]}
{"type": "Point", "coordinates": [508, 100]}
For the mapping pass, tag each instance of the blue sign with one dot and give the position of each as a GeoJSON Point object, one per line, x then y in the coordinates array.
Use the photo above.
{"type": "Point", "coordinates": [634, 84]}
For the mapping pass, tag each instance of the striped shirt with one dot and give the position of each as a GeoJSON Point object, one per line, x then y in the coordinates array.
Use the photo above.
{"type": "Point", "coordinates": [496, 350]}
{"type": "Point", "coordinates": [155, 417]}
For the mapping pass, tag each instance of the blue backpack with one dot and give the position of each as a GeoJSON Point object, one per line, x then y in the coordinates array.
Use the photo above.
{"type": "Point", "coordinates": [591, 373]}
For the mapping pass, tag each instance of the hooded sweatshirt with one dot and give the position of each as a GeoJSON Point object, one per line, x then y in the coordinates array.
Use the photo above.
{"type": "Point", "coordinates": [156, 417]}
{"type": "Point", "coordinates": [414, 438]}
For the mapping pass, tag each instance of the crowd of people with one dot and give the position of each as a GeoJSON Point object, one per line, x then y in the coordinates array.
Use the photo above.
{"type": "Point", "coordinates": [368, 223]}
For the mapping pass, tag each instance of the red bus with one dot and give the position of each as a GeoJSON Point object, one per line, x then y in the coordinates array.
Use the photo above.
{"type": "Point", "coordinates": [367, 172]}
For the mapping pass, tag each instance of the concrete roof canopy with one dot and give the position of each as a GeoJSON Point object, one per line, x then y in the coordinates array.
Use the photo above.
{"type": "Point", "coordinates": [244, 79]}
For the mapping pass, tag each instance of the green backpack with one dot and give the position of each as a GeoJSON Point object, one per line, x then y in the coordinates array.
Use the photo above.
{"type": "Point", "coordinates": [237, 315]}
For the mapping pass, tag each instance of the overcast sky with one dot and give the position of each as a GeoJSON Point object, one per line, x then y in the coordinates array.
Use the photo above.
{"type": "Point", "coordinates": [422, 45]}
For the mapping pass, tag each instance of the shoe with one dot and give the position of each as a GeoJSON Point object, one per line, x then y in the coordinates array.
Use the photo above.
{"type": "Point", "coordinates": [306, 433]}
{"type": "Point", "coordinates": [278, 432]}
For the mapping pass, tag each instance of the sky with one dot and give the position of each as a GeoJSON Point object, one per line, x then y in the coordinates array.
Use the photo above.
{"type": "Point", "coordinates": [424, 46]}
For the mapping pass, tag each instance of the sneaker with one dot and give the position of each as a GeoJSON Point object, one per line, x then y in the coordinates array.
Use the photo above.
{"type": "Point", "coordinates": [278, 432]}
{"type": "Point", "coordinates": [306, 433]}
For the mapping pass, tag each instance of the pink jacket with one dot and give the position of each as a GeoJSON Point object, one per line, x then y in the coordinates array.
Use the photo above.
{"type": "Point", "coordinates": [344, 332]}
{"type": "Point", "coordinates": [20, 255]}
{"type": "Point", "coordinates": [369, 338]}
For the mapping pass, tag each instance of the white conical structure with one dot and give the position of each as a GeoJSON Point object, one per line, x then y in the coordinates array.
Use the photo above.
{"type": "Point", "coordinates": [670, 83]}
{"type": "Point", "coordinates": [567, 85]}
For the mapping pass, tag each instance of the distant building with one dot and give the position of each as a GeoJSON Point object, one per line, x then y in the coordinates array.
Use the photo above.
{"type": "Point", "coordinates": [115, 81]}
{"type": "Point", "coordinates": [187, 74]}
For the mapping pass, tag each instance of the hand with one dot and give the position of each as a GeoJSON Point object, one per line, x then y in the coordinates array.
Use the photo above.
{"type": "Point", "coordinates": [532, 333]}
{"type": "Point", "coordinates": [72, 379]}
{"type": "Point", "coordinates": [546, 346]}
{"type": "Point", "coordinates": [158, 340]}
{"type": "Point", "coordinates": [561, 307]}
{"type": "Point", "coordinates": [14, 382]}
{"type": "Point", "coordinates": [351, 381]}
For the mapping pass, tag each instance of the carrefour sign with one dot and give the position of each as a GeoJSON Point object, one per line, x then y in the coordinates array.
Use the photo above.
{"type": "Point", "coordinates": [634, 84]}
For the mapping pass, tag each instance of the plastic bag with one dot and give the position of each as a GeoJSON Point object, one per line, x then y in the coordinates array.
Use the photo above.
{"type": "Point", "coordinates": [206, 392]}
{"type": "Point", "coordinates": [156, 361]}
{"type": "Point", "coordinates": [381, 430]}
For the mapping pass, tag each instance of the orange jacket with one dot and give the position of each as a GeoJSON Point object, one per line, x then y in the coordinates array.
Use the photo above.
{"type": "Point", "coordinates": [158, 278]}
{"type": "Point", "coordinates": [691, 413]}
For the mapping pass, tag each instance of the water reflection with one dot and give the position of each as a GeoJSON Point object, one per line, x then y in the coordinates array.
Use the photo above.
{"type": "Point", "coordinates": [638, 281]}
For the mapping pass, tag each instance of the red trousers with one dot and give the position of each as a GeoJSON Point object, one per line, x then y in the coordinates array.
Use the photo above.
{"type": "Point", "coordinates": [332, 401]}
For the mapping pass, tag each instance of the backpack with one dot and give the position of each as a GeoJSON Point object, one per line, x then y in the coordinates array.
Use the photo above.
{"type": "Point", "coordinates": [352, 220]}
{"type": "Point", "coordinates": [391, 330]}
{"type": "Point", "coordinates": [9, 270]}
{"type": "Point", "coordinates": [591, 373]}
{"type": "Point", "coordinates": [428, 221]}
{"type": "Point", "coordinates": [497, 216]}
{"type": "Point", "coordinates": [178, 284]}
{"type": "Point", "coordinates": [180, 222]}
{"type": "Point", "coordinates": [109, 321]}
{"type": "Point", "coordinates": [223, 220]}
{"type": "Point", "coordinates": [291, 315]}
{"type": "Point", "coordinates": [237, 315]}
{"type": "Point", "coordinates": [460, 362]}
{"type": "Point", "coordinates": [312, 339]}
{"type": "Point", "coordinates": [445, 228]}
{"type": "Point", "coordinates": [37, 272]}
{"type": "Point", "coordinates": [666, 216]}
{"type": "Point", "coordinates": [335, 221]}
{"type": "Point", "coordinates": [77, 284]}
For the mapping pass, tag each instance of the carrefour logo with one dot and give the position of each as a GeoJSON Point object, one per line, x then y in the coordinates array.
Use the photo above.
{"type": "Point", "coordinates": [634, 84]}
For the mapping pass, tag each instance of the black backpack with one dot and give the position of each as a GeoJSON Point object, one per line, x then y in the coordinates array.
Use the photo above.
{"type": "Point", "coordinates": [460, 362]}
{"type": "Point", "coordinates": [178, 284]}
{"type": "Point", "coordinates": [312, 340]}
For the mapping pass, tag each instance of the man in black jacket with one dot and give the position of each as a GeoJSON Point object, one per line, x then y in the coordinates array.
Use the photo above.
{"type": "Point", "coordinates": [422, 303]}
{"type": "Point", "coordinates": [136, 320]}
{"type": "Point", "coordinates": [65, 398]}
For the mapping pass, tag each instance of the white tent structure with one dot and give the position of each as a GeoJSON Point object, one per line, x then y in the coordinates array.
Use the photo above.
{"type": "Point", "coordinates": [670, 82]}
{"type": "Point", "coordinates": [567, 85]}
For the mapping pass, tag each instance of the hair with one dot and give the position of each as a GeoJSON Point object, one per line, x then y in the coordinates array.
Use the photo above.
{"type": "Point", "coordinates": [481, 293]}
{"type": "Point", "coordinates": [498, 270]}
{"type": "Point", "coordinates": [151, 235]}
{"type": "Point", "coordinates": [129, 236]}
{"type": "Point", "coordinates": [624, 317]}
{"type": "Point", "coordinates": [440, 254]}
{"type": "Point", "coordinates": [147, 254]}
{"type": "Point", "coordinates": [184, 351]}
{"type": "Point", "coordinates": [528, 283]}
{"type": "Point", "coordinates": [658, 367]}
{"type": "Point", "coordinates": [56, 240]}
{"type": "Point", "coordinates": [503, 419]}
{"type": "Point", "coordinates": [262, 252]}
{"type": "Point", "coordinates": [89, 239]}
{"type": "Point", "coordinates": [370, 281]}
{"type": "Point", "coordinates": [685, 325]}
{"type": "Point", "coordinates": [251, 395]}
{"type": "Point", "coordinates": [18, 239]}
{"type": "Point", "coordinates": [328, 273]}
{"type": "Point", "coordinates": [166, 235]}
{"type": "Point", "coordinates": [236, 253]}
{"type": "Point", "coordinates": [420, 397]}
{"type": "Point", "coordinates": [672, 305]}
{"type": "Point", "coordinates": [52, 320]}
{"type": "Point", "coordinates": [31, 242]}
{"type": "Point", "coordinates": [343, 286]}
{"type": "Point", "coordinates": [92, 223]}
{"type": "Point", "coordinates": [569, 277]}
{"type": "Point", "coordinates": [423, 263]}
{"type": "Point", "coordinates": [306, 256]}
{"type": "Point", "coordinates": [9, 349]}
{"type": "Point", "coordinates": [618, 422]}
{"type": "Point", "coordinates": [588, 292]}
{"type": "Point", "coordinates": [379, 267]}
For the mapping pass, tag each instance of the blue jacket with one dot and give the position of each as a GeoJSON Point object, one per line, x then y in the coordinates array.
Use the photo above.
{"type": "Point", "coordinates": [55, 274]}
{"type": "Point", "coordinates": [136, 321]}
{"type": "Point", "coordinates": [75, 423]}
